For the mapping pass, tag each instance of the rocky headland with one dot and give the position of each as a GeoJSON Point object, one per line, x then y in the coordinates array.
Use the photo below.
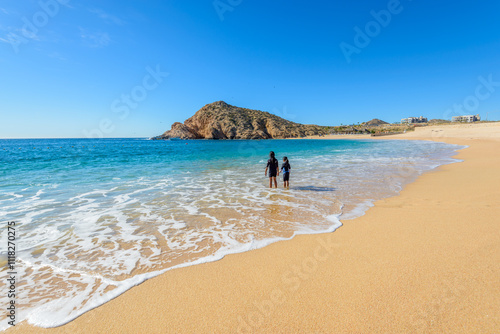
{"type": "Point", "coordinates": [220, 120]}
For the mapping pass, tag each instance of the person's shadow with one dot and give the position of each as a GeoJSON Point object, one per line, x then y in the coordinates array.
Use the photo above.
{"type": "Point", "coordinates": [313, 188]}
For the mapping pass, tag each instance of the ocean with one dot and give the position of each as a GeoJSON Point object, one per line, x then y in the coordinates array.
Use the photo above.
{"type": "Point", "coordinates": [95, 217]}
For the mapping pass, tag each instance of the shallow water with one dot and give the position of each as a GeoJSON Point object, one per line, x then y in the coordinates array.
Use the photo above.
{"type": "Point", "coordinates": [96, 217]}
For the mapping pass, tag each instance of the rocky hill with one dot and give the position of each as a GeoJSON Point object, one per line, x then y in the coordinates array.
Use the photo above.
{"type": "Point", "coordinates": [220, 120]}
{"type": "Point", "coordinates": [375, 122]}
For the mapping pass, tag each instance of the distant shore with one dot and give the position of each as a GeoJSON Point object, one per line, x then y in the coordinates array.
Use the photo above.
{"type": "Point", "coordinates": [427, 260]}
{"type": "Point", "coordinates": [434, 132]}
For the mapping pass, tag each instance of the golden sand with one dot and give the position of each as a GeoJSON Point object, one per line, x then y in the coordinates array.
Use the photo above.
{"type": "Point", "coordinates": [425, 261]}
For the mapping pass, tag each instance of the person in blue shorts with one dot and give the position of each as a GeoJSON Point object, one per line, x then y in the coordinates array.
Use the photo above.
{"type": "Point", "coordinates": [285, 170]}
{"type": "Point", "coordinates": [273, 167]}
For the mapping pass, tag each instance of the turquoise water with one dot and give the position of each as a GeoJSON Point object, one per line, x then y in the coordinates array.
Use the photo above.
{"type": "Point", "coordinates": [98, 216]}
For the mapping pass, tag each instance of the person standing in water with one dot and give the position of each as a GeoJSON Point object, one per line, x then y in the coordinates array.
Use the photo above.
{"type": "Point", "coordinates": [285, 170]}
{"type": "Point", "coordinates": [273, 167]}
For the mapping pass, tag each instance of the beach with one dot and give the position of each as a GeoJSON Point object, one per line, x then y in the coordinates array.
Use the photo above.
{"type": "Point", "coordinates": [424, 261]}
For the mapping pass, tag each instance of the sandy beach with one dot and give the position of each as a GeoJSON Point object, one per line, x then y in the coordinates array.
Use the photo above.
{"type": "Point", "coordinates": [425, 261]}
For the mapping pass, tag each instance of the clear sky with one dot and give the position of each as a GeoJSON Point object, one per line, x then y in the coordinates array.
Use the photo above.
{"type": "Point", "coordinates": [88, 68]}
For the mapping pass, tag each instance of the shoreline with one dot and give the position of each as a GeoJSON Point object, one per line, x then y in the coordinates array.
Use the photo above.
{"type": "Point", "coordinates": [412, 263]}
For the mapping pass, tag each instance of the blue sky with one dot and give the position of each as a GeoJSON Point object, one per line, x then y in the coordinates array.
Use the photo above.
{"type": "Point", "coordinates": [74, 69]}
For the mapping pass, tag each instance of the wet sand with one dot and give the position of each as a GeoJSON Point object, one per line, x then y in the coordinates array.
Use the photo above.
{"type": "Point", "coordinates": [425, 261]}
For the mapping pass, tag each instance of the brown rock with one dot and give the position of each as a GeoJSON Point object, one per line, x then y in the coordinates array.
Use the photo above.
{"type": "Point", "coordinates": [180, 130]}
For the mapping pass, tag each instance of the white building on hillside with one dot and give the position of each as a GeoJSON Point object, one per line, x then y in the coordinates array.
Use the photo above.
{"type": "Point", "coordinates": [466, 118]}
{"type": "Point", "coordinates": [412, 120]}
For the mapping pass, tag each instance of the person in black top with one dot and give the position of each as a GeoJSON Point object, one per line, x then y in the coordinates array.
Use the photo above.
{"type": "Point", "coordinates": [285, 170]}
{"type": "Point", "coordinates": [273, 166]}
